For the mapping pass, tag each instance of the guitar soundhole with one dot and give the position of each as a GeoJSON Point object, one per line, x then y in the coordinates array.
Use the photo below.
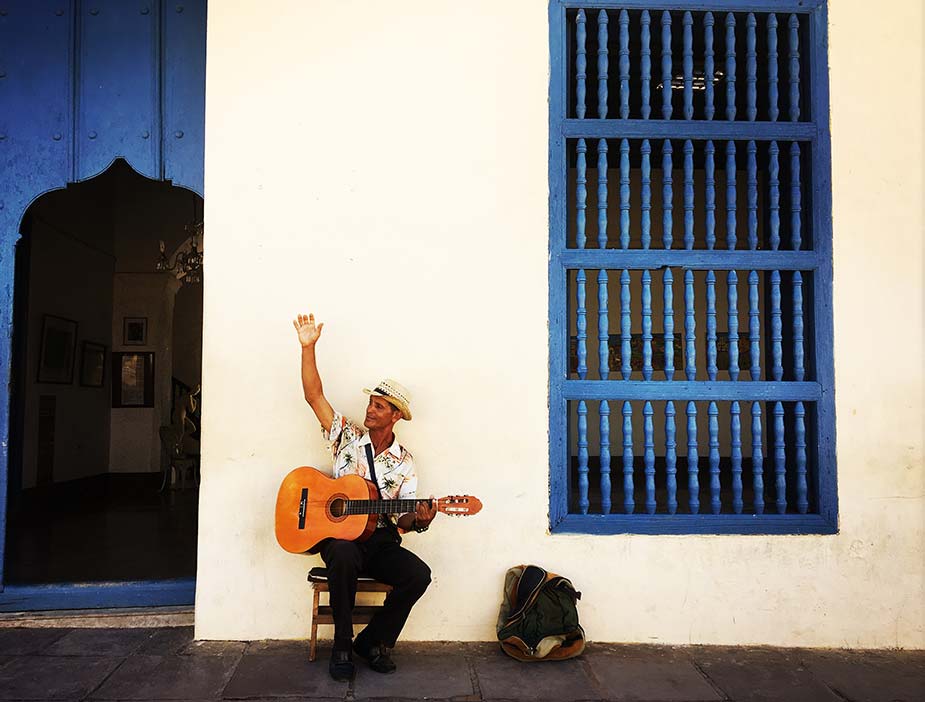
{"type": "Point", "coordinates": [337, 507]}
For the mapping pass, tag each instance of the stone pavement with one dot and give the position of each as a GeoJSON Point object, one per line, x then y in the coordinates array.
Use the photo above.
{"type": "Point", "coordinates": [167, 664]}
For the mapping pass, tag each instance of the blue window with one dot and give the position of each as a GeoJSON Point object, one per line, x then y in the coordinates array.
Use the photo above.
{"type": "Point", "coordinates": [690, 269]}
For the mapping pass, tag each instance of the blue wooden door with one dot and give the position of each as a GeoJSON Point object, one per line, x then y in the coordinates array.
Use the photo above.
{"type": "Point", "coordinates": [81, 84]}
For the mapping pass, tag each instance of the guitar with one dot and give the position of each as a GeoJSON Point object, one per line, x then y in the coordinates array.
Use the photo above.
{"type": "Point", "coordinates": [312, 507]}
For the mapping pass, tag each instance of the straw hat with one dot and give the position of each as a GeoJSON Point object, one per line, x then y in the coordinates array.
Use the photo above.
{"type": "Point", "coordinates": [394, 393]}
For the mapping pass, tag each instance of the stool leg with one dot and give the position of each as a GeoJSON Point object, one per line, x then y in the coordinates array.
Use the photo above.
{"type": "Point", "coordinates": [314, 641]}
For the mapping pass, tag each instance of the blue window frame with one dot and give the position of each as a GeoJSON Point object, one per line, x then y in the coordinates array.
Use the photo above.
{"type": "Point", "coordinates": [691, 369]}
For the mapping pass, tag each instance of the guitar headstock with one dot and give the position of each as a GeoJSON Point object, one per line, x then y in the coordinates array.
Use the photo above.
{"type": "Point", "coordinates": [459, 505]}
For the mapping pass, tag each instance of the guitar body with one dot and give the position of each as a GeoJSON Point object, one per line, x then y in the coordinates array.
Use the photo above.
{"type": "Point", "coordinates": [309, 509]}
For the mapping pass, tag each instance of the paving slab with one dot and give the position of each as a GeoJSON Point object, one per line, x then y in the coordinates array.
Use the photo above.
{"type": "Point", "coordinates": [431, 671]}
{"type": "Point", "coordinates": [98, 642]}
{"type": "Point", "coordinates": [165, 642]}
{"type": "Point", "coordinates": [27, 642]}
{"type": "Point", "coordinates": [863, 676]}
{"type": "Point", "coordinates": [760, 675]}
{"type": "Point", "coordinates": [168, 678]}
{"type": "Point", "coordinates": [647, 673]}
{"type": "Point", "coordinates": [501, 677]}
{"type": "Point", "coordinates": [232, 649]}
{"type": "Point", "coordinates": [53, 677]}
{"type": "Point", "coordinates": [283, 671]}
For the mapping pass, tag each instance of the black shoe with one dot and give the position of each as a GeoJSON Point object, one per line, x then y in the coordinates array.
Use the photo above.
{"type": "Point", "coordinates": [377, 656]}
{"type": "Point", "coordinates": [341, 666]}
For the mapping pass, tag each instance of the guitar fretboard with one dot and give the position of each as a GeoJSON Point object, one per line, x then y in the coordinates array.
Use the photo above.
{"type": "Point", "coordinates": [382, 506]}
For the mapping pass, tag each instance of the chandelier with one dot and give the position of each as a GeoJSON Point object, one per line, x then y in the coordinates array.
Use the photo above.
{"type": "Point", "coordinates": [187, 262]}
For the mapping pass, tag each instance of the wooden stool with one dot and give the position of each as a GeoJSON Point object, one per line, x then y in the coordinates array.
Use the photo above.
{"type": "Point", "coordinates": [322, 613]}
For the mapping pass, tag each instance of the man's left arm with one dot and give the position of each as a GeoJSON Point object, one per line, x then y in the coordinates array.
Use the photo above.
{"type": "Point", "coordinates": [425, 511]}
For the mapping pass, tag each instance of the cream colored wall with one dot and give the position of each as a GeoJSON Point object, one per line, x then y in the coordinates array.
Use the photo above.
{"type": "Point", "coordinates": [385, 165]}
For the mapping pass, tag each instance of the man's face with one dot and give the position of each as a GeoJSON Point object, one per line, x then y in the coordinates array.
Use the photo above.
{"type": "Point", "coordinates": [380, 414]}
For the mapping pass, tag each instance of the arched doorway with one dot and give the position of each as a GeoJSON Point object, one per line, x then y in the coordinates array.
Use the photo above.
{"type": "Point", "coordinates": [82, 86]}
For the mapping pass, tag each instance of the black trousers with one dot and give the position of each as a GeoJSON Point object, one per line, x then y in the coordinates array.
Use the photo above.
{"type": "Point", "coordinates": [383, 558]}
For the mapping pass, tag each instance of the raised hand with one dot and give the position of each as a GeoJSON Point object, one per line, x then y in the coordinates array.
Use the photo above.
{"type": "Point", "coordinates": [309, 333]}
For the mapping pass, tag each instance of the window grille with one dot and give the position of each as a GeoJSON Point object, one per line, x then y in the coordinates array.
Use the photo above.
{"type": "Point", "coordinates": [691, 370]}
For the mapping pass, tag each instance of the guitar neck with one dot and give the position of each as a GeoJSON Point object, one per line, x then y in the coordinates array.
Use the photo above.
{"type": "Point", "coordinates": [382, 506]}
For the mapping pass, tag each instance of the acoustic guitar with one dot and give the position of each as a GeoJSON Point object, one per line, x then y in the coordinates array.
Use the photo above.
{"type": "Point", "coordinates": [312, 507]}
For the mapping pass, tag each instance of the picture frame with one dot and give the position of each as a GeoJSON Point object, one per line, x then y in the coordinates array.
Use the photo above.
{"type": "Point", "coordinates": [57, 350]}
{"type": "Point", "coordinates": [92, 364]}
{"type": "Point", "coordinates": [134, 331]}
{"type": "Point", "coordinates": [132, 379]}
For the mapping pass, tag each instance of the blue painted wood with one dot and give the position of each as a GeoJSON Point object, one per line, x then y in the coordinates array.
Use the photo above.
{"type": "Point", "coordinates": [757, 459]}
{"type": "Point", "coordinates": [799, 372]}
{"type": "Point", "coordinates": [624, 64]}
{"type": "Point", "coordinates": [719, 260]}
{"type": "Point", "coordinates": [823, 445]}
{"type": "Point", "coordinates": [732, 300]}
{"type": "Point", "coordinates": [730, 195]}
{"type": "Point", "coordinates": [649, 456]}
{"type": "Point", "coordinates": [30, 598]}
{"type": "Point", "coordinates": [668, 524]}
{"type": "Point", "coordinates": [581, 323]}
{"type": "Point", "coordinates": [581, 193]}
{"type": "Point", "coordinates": [602, 64]}
{"type": "Point", "coordinates": [624, 194]}
{"type": "Point", "coordinates": [736, 456]}
{"type": "Point", "coordinates": [785, 391]}
{"type": "Point", "coordinates": [710, 194]}
{"type": "Point", "coordinates": [780, 459]}
{"type": "Point", "coordinates": [754, 326]}
{"type": "Point", "coordinates": [184, 79]}
{"type": "Point", "coordinates": [774, 195]}
{"type": "Point", "coordinates": [709, 70]}
{"type": "Point", "coordinates": [773, 93]}
{"type": "Point", "coordinates": [713, 426]}
{"type": "Point", "coordinates": [581, 63]}
{"type": "Point", "coordinates": [777, 353]}
{"type": "Point", "coordinates": [751, 68]}
{"type": "Point", "coordinates": [666, 65]}
{"type": "Point", "coordinates": [604, 412]}
{"type": "Point", "coordinates": [603, 325]}
{"type": "Point", "coordinates": [667, 195]}
{"type": "Point", "coordinates": [113, 34]}
{"type": "Point", "coordinates": [796, 237]}
{"type": "Point", "coordinates": [646, 325]}
{"type": "Point", "coordinates": [688, 65]}
{"type": "Point", "coordinates": [559, 446]}
{"type": "Point", "coordinates": [696, 129]}
{"type": "Point", "coordinates": [752, 195]}
{"type": "Point", "coordinates": [802, 6]}
{"type": "Point", "coordinates": [800, 454]}
{"type": "Point", "coordinates": [645, 64]}
{"type": "Point", "coordinates": [693, 460]}
{"type": "Point", "coordinates": [626, 368]}
{"type": "Point", "coordinates": [602, 194]}
{"type": "Point", "coordinates": [794, 54]}
{"type": "Point", "coordinates": [629, 503]}
{"type": "Point", "coordinates": [583, 502]}
{"type": "Point", "coordinates": [690, 328]}
{"type": "Point", "coordinates": [668, 322]}
{"type": "Point", "coordinates": [688, 194]}
{"type": "Point", "coordinates": [711, 325]}
{"type": "Point", "coordinates": [646, 216]}
{"type": "Point", "coordinates": [671, 457]}
{"type": "Point", "coordinates": [730, 66]}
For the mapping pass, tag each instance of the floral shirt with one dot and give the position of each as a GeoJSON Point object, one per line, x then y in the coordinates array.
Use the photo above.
{"type": "Point", "coordinates": [394, 466]}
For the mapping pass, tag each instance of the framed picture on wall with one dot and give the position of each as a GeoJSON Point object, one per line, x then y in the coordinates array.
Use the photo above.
{"type": "Point", "coordinates": [133, 379]}
{"type": "Point", "coordinates": [134, 331]}
{"type": "Point", "coordinates": [57, 350]}
{"type": "Point", "coordinates": [92, 365]}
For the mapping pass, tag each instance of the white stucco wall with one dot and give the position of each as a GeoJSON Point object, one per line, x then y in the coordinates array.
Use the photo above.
{"type": "Point", "coordinates": [385, 166]}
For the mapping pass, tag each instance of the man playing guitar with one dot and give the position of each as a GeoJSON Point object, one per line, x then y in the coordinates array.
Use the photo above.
{"type": "Point", "coordinates": [381, 556]}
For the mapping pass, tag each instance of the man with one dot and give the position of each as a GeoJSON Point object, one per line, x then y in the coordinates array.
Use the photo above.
{"type": "Point", "coordinates": [381, 556]}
